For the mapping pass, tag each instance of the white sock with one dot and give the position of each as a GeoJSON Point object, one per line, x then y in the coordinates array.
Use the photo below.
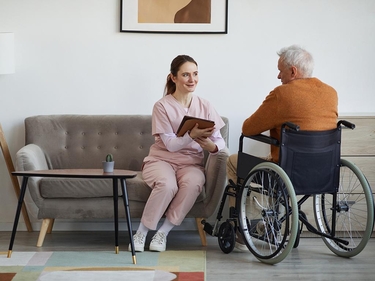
{"type": "Point", "coordinates": [143, 229]}
{"type": "Point", "coordinates": [166, 227]}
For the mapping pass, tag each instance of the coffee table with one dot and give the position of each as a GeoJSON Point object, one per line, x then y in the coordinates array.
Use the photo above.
{"type": "Point", "coordinates": [117, 175]}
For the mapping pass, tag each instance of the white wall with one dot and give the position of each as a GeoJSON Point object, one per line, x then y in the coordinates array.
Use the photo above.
{"type": "Point", "coordinates": [71, 58]}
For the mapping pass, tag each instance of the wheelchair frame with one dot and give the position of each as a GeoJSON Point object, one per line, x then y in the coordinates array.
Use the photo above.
{"type": "Point", "coordinates": [266, 199]}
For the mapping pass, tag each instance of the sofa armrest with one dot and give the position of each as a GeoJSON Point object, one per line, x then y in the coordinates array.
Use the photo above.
{"type": "Point", "coordinates": [216, 179]}
{"type": "Point", "coordinates": [31, 157]}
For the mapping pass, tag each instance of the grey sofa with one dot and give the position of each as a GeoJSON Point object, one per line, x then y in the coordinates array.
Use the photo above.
{"type": "Point", "coordinates": [83, 141]}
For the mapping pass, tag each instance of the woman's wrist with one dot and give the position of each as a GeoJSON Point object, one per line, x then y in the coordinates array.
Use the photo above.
{"type": "Point", "coordinates": [191, 136]}
{"type": "Point", "coordinates": [215, 149]}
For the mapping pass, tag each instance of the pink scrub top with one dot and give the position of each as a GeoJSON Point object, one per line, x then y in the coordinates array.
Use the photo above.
{"type": "Point", "coordinates": [166, 117]}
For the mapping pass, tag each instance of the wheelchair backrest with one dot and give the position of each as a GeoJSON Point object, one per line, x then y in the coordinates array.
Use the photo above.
{"type": "Point", "coordinates": [311, 159]}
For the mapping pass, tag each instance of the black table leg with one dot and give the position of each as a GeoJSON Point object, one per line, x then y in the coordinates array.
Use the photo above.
{"type": "Point", "coordinates": [115, 205]}
{"type": "Point", "coordinates": [18, 212]}
{"type": "Point", "coordinates": [128, 220]}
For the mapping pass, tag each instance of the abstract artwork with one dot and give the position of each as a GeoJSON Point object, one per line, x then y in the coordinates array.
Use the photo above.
{"type": "Point", "coordinates": [174, 16]}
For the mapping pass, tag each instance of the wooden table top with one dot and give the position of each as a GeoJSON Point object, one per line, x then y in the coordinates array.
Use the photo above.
{"type": "Point", "coordinates": [77, 173]}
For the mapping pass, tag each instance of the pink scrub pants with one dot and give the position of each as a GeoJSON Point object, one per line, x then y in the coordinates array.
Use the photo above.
{"type": "Point", "coordinates": [174, 191]}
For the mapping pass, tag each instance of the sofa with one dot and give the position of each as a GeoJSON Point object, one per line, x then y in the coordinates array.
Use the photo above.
{"type": "Point", "coordinates": [83, 141]}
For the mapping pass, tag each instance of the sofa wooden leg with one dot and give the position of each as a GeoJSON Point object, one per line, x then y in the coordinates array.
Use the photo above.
{"type": "Point", "coordinates": [43, 231]}
{"type": "Point", "coordinates": [50, 226]}
{"type": "Point", "coordinates": [202, 233]}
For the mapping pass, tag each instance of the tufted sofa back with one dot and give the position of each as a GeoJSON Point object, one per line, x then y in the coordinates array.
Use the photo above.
{"type": "Point", "coordinates": [83, 141]}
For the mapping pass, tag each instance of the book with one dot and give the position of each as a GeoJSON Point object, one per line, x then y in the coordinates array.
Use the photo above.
{"type": "Point", "coordinates": [188, 123]}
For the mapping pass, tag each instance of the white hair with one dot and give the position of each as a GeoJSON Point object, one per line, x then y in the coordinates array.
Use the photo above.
{"type": "Point", "coordinates": [300, 58]}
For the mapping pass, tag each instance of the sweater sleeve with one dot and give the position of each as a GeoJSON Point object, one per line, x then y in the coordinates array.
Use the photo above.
{"type": "Point", "coordinates": [264, 118]}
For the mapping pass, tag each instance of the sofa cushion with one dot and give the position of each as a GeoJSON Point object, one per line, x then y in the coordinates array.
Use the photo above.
{"type": "Point", "coordinates": [56, 188]}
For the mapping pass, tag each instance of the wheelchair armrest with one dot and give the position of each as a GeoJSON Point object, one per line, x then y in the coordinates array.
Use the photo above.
{"type": "Point", "coordinates": [261, 138]}
{"type": "Point", "coordinates": [346, 124]}
{"type": "Point", "coordinates": [291, 125]}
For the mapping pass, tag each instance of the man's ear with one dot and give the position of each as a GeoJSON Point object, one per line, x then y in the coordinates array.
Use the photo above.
{"type": "Point", "coordinates": [294, 72]}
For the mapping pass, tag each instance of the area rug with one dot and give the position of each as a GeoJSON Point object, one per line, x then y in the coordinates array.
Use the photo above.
{"type": "Point", "coordinates": [103, 265]}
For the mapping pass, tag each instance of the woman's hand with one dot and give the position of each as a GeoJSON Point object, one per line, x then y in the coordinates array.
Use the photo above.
{"type": "Point", "coordinates": [196, 133]}
{"type": "Point", "coordinates": [201, 136]}
{"type": "Point", "coordinates": [207, 144]}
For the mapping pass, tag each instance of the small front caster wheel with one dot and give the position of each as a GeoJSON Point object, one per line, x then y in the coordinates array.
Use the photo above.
{"type": "Point", "coordinates": [226, 237]}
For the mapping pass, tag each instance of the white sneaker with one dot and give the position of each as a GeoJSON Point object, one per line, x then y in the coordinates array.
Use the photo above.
{"type": "Point", "coordinates": [139, 242]}
{"type": "Point", "coordinates": [239, 243]}
{"type": "Point", "coordinates": [158, 242]}
{"type": "Point", "coordinates": [241, 247]}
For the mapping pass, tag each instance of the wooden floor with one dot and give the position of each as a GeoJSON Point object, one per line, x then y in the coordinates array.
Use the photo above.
{"type": "Point", "coordinates": [312, 260]}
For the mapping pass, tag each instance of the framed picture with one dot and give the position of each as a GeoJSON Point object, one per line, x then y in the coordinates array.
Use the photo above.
{"type": "Point", "coordinates": [174, 16]}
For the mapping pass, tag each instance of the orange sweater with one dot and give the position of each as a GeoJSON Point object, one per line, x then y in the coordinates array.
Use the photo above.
{"type": "Point", "coordinates": [308, 102]}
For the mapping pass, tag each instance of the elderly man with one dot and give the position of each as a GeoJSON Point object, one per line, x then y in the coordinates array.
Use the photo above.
{"type": "Point", "coordinates": [301, 99]}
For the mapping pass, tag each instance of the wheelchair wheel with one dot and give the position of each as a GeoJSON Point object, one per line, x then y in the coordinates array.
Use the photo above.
{"type": "Point", "coordinates": [268, 213]}
{"type": "Point", "coordinates": [354, 206]}
{"type": "Point", "coordinates": [226, 237]}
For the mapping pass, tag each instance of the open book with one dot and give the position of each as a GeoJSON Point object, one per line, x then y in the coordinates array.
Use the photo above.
{"type": "Point", "coordinates": [188, 123]}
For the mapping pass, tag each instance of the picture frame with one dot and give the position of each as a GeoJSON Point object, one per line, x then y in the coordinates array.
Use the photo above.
{"type": "Point", "coordinates": [174, 16]}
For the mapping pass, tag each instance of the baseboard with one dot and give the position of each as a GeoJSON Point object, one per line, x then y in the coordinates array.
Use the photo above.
{"type": "Point", "coordinates": [93, 225]}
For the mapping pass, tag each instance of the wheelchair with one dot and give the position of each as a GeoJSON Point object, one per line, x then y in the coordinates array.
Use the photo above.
{"type": "Point", "coordinates": [267, 213]}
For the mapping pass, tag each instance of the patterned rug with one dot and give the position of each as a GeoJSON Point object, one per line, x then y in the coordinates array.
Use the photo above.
{"type": "Point", "coordinates": [108, 266]}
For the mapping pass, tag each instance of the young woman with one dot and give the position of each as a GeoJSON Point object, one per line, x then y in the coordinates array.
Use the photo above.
{"type": "Point", "coordinates": [174, 167]}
